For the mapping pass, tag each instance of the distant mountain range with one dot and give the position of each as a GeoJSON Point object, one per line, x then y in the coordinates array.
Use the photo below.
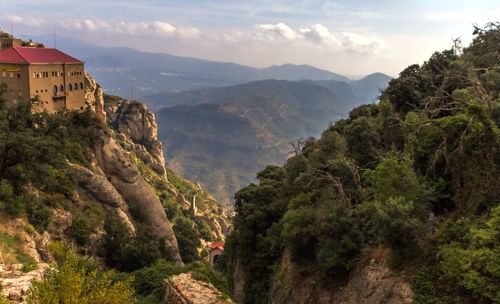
{"type": "Point", "coordinates": [221, 137]}
{"type": "Point", "coordinates": [222, 122]}
{"type": "Point", "coordinates": [352, 92]}
{"type": "Point", "coordinates": [120, 70]}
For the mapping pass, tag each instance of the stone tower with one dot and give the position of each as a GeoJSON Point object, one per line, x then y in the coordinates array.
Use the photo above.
{"type": "Point", "coordinates": [192, 208]}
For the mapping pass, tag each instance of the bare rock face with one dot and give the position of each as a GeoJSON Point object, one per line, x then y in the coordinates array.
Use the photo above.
{"type": "Point", "coordinates": [138, 125]}
{"type": "Point", "coordinates": [183, 289]}
{"type": "Point", "coordinates": [125, 177]}
{"type": "Point", "coordinates": [95, 183]}
{"type": "Point", "coordinates": [370, 282]}
{"type": "Point", "coordinates": [94, 97]}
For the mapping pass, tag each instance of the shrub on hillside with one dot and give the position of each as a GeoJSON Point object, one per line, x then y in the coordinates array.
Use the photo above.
{"type": "Point", "coordinates": [79, 280]}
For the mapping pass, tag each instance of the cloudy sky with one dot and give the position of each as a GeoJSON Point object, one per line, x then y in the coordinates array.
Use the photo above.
{"type": "Point", "coordinates": [353, 37]}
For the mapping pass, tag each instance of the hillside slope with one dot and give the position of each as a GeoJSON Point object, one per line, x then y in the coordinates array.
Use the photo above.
{"type": "Point", "coordinates": [398, 203]}
{"type": "Point", "coordinates": [103, 188]}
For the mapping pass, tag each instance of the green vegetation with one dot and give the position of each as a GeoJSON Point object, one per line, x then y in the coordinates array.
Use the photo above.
{"type": "Point", "coordinates": [188, 239]}
{"type": "Point", "coordinates": [34, 152]}
{"type": "Point", "coordinates": [34, 158]}
{"type": "Point", "coordinates": [128, 253]}
{"type": "Point", "coordinates": [417, 173]}
{"type": "Point", "coordinates": [79, 280]}
{"type": "Point", "coordinates": [148, 281]}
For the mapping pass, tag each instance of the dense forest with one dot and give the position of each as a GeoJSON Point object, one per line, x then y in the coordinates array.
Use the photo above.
{"type": "Point", "coordinates": [417, 173]}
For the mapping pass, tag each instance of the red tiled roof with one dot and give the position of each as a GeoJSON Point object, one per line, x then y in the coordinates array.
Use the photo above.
{"type": "Point", "coordinates": [219, 245]}
{"type": "Point", "coordinates": [35, 55]}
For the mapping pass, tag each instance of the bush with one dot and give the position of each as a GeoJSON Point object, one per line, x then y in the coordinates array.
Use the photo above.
{"type": "Point", "coordinates": [39, 215]}
{"type": "Point", "coordinates": [423, 286]}
{"type": "Point", "coordinates": [80, 231]}
{"type": "Point", "coordinates": [472, 260]}
{"type": "Point", "coordinates": [28, 263]}
{"type": "Point", "coordinates": [77, 280]}
{"type": "Point", "coordinates": [148, 281]}
{"type": "Point", "coordinates": [128, 253]}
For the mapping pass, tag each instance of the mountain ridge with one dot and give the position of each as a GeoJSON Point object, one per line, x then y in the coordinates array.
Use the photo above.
{"type": "Point", "coordinates": [121, 69]}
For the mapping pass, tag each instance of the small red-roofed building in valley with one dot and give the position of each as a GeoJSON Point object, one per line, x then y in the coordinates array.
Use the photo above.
{"type": "Point", "coordinates": [55, 78]}
{"type": "Point", "coordinates": [215, 249]}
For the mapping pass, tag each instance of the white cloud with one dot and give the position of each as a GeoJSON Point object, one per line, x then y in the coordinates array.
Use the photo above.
{"type": "Point", "coordinates": [154, 28]}
{"type": "Point", "coordinates": [363, 44]}
{"type": "Point", "coordinates": [278, 31]}
{"type": "Point", "coordinates": [319, 34]}
{"type": "Point", "coordinates": [28, 21]}
{"type": "Point", "coordinates": [316, 35]}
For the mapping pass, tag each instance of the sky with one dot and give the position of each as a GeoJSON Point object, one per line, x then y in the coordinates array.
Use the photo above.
{"type": "Point", "coordinates": [354, 38]}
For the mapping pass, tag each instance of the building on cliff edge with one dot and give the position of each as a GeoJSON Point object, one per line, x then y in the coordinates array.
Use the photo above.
{"type": "Point", "coordinates": [55, 78]}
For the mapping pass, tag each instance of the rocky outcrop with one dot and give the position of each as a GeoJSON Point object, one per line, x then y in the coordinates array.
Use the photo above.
{"type": "Point", "coordinates": [125, 177]}
{"type": "Point", "coordinates": [94, 97]}
{"type": "Point", "coordinates": [16, 283]}
{"type": "Point", "coordinates": [136, 124]}
{"type": "Point", "coordinates": [95, 183]}
{"type": "Point", "coordinates": [370, 282]}
{"type": "Point", "coordinates": [183, 289]}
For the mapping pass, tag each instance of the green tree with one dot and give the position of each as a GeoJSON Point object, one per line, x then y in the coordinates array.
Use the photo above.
{"type": "Point", "coordinates": [187, 238]}
{"type": "Point", "coordinates": [472, 260]}
{"type": "Point", "coordinates": [396, 211]}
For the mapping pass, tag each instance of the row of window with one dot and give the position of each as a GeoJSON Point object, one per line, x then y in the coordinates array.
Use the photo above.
{"type": "Point", "coordinates": [55, 74]}
{"type": "Point", "coordinates": [19, 93]}
{"type": "Point", "coordinates": [10, 75]}
{"type": "Point", "coordinates": [71, 87]}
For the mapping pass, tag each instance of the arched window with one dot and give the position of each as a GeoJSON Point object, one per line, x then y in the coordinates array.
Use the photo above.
{"type": "Point", "coordinates": [76, 86]}
{"type": "Point", "coordinates": [81, 85]}
{"type": "Point", "coordinates": [70, 87]}
{"type": "Point", "coordinates": [61, 88]}
{"type": "Point", "coordinates": [54, 90]}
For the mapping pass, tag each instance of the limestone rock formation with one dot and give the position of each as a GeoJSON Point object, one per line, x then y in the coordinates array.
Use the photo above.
{"type": "Point", "coordinates": [133, 188]}
{"type": "Point", "coordinates": [137, 124]}
{"type": "Point", "coordinates": [371, 282]}
{"type": "Point", "coordinates": [95, 183]}
{"type": "Point", "coordinates": [94, 97]}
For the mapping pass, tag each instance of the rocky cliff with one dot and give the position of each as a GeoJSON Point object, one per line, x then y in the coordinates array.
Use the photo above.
{"type": "Point", "coordinates": [121, 176]}
{"type": "Point", "coordinates": [137, 131]}
{"type": "Point", "coordinates": [137, 125]}
{"type": "Point", "coordinates": [370, 282]}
